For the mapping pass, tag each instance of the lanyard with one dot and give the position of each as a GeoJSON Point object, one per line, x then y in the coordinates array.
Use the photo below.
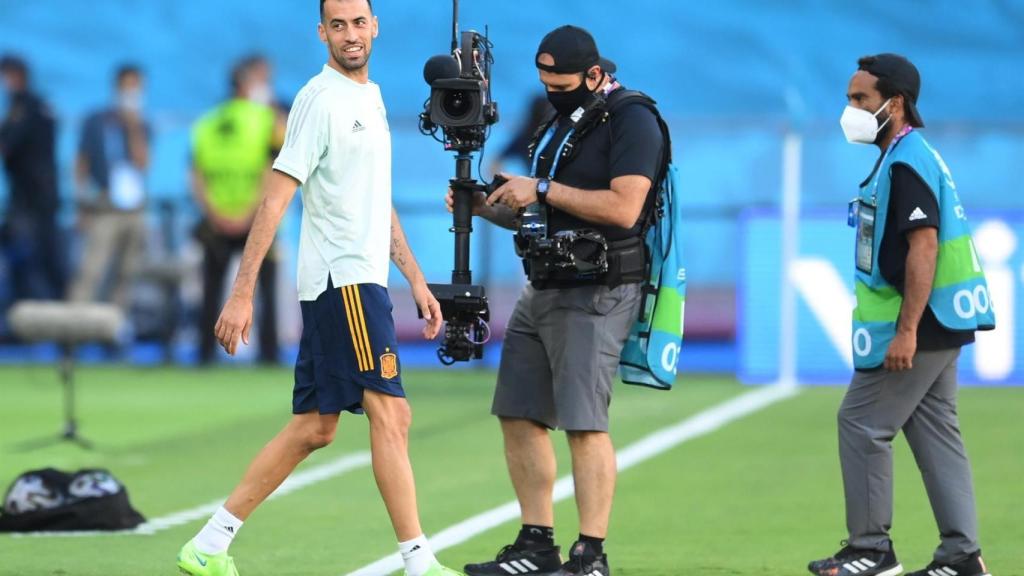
{"type": "Point", "coordinates": [874, 187]}
{"type": "Point", "coordinates": [544, 144]}
{"type": "Point", "coordinates": [115, 142]}
{"type": "Point", "coordinates": [611, 87]}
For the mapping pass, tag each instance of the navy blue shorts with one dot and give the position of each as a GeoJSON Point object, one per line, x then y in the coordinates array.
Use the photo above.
{"type": "Point", "coordinates": [348, 345]}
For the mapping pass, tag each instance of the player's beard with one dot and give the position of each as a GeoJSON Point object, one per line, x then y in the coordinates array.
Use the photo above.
{"type": "Point", "coordinates": [338, 54]}
{"type": "Point", "coordinates": [884, 132]}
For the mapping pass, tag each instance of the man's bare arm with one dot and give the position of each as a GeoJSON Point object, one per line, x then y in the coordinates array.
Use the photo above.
{"type": "Point", "coordinates": [921, 258]}
{"type": "Point", "coordinates": [500, 215]}
{"type": "Point", "coordinates": [277, 195]}
{"type": "Point", "coordinates": [401, 254]}
{"type": "Point", "coordinates": [917, 289]}
{"type": "Point", "coordinates": [620, 206]}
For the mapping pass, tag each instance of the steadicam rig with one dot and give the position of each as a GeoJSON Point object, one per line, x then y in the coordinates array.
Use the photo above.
{"type": "Point", "coordinates": [461, 109]}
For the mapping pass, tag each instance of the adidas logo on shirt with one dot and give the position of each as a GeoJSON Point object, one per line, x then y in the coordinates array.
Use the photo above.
{"type": "Point", "coordinates": [918, 214]}
{"type": "Point", "coordinates": [358, 127]}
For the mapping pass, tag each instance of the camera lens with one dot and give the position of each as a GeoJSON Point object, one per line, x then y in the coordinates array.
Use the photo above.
{"type": "Point", "coordinates": [457, 103]}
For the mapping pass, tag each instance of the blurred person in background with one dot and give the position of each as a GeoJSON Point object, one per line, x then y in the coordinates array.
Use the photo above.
{"type": "Point", "coordinates": [338, 149]}
{"type": "Point", "coordinates": [29, 234]}
{"type": "Point", "coordinates": [921, 295]}
{"type": "Point", "coordinates": [232, 149]}
{"type": "Point", "coordinates": [262, 92]}
{"type": "Point", "coordinates": [110, 179]}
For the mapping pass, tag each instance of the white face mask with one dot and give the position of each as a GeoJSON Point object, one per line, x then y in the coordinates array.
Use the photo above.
{"type": "Point", "coordinates": [130, 100]}
{"type": "Point", "coordinates": [861, 126]}
{"type": "Point", "coordinates": [261, 94]}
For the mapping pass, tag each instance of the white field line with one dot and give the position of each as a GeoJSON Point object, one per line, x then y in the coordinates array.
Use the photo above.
{"type": "Point", "coordinates": [294, 483]}
{"type": "Point", "coordinates": [640, 451]}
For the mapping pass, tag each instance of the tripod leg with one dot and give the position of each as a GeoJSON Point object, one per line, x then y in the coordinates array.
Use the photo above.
{"type": "Point", "coordinates": [70, 431]}
{"type": "Point", "coordinates": [70, 423]}
{"type": "Point", "coordinates": [67, 381]}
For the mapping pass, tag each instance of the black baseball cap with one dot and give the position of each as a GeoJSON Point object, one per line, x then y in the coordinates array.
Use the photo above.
{"type": "Point", "coordinates": [900, 76]}
{"type": "Point", "coordinates": [573, 49]}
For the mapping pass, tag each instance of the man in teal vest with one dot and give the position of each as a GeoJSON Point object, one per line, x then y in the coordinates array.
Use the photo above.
{"type": "Point", "coordinates": [232, 148]}
{"type": "Point", "coordinates": [921, 295]}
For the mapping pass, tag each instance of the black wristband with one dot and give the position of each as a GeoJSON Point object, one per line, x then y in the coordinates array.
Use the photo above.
{"type": "Point", "coordinates": [543, 185]}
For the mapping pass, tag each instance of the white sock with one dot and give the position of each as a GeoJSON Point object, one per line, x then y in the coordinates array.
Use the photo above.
{"type": "Point", "coordinates": [417, 555]}
{"type": "Point", "coordinates": [218, 533]}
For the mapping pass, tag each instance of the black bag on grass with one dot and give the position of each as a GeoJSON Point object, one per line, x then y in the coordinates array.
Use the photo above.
{"type": "Point", "coordinates": [51, 500]}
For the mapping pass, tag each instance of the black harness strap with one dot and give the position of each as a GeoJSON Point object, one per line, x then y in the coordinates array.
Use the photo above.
{"type": "Point", "coordinates": [599, 111]}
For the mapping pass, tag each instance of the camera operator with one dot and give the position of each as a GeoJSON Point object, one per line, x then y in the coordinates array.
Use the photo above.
{"type": "Point", "coordinates": [592, 178]}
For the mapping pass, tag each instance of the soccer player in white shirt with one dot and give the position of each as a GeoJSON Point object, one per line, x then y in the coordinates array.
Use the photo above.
{"type": "Point", "coordinates": [338, 148]}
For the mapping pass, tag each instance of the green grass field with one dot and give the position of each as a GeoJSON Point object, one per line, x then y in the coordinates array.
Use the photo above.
{"type": "Point", "coordinates": [760, 496]}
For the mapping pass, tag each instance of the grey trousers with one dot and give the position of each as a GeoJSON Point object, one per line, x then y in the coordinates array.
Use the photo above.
{"type": "Point", "coordinates": [922, 403]}
{"type": "Point", "coordinates": [114, 246]}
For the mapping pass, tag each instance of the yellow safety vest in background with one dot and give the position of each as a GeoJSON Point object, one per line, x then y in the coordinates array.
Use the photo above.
{"type": "Point", "coordinates": [231, 149]}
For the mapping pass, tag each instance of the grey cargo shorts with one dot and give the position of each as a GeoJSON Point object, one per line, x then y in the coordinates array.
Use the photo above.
{"type": "Point", "coordinates": [561, 355]}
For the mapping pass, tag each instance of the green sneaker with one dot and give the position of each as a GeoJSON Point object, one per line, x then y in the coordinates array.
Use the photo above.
{"type": "Point", "coordinates": [438, 570]}
{"type": "Point", "coordinates": [192, 561]}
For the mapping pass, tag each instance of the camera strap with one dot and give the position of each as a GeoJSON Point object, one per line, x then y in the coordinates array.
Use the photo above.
{"type": "Point", "coordinates": [583, 121]}
{"type": "Point", "coordinates": [543, 143]}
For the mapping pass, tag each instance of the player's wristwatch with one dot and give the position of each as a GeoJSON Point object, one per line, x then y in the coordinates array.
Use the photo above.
{"type": "Point", "coordinates": [543, 185]}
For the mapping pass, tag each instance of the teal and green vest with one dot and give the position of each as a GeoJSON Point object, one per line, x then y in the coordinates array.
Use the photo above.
{"type": "Point", "coordinates": [959, 298]}
{"type": "Point", "coordinates": [231, 149]}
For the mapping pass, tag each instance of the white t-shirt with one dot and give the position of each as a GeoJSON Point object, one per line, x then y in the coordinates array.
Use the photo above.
{"type": "Point", "coordinates": [338, 146]}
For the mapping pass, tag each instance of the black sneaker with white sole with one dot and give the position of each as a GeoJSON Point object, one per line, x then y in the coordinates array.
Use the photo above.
{"type": "Point", "coordinates": [519, 559]}
{"type": "Point", "coordinates": [855, 562]}
{"type": "Point", "coordinates": [584, 562]}
{"type": "Point", "coordinates": [972, 566]}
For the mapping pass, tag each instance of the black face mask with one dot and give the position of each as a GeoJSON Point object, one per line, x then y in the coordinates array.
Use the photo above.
{"type": "Point", "coordinates": [567, 102]}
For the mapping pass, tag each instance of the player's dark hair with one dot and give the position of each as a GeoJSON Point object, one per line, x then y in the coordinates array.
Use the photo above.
{"type": "Point", "coordinates": [322, 2]}
{"type": "Point", "coordinates": [884, 85]}
{"type": "Point", "coordinates": [126, 70]}
{"type": "Point", "coordinates": [11, 64]}
{"type": "Point", "coordinates": [242, 68]}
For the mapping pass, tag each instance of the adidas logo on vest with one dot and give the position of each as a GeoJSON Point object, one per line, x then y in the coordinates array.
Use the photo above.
{"type": "Point", "coordinates": [358, 127]}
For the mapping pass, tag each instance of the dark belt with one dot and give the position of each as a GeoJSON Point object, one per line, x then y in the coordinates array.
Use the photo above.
{"type": "Point", "coordinates": [627, 264]}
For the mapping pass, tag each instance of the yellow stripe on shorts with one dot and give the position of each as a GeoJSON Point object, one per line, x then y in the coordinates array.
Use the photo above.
{"type": "Point", "coordinates": [362, 323]}
{"type": "Point", "coordinates": [349, 315]}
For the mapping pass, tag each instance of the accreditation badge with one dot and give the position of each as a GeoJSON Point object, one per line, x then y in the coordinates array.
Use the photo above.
{"type": "Point", "coordinates": [127, 186]}
{"type": "Point", "coordinates": [851, 212]}
{"type": "Point", "coordinates": [865, 237]}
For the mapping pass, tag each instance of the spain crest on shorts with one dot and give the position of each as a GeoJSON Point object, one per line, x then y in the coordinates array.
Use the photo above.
{"type": "Point", "coordinates": [388, 365]}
